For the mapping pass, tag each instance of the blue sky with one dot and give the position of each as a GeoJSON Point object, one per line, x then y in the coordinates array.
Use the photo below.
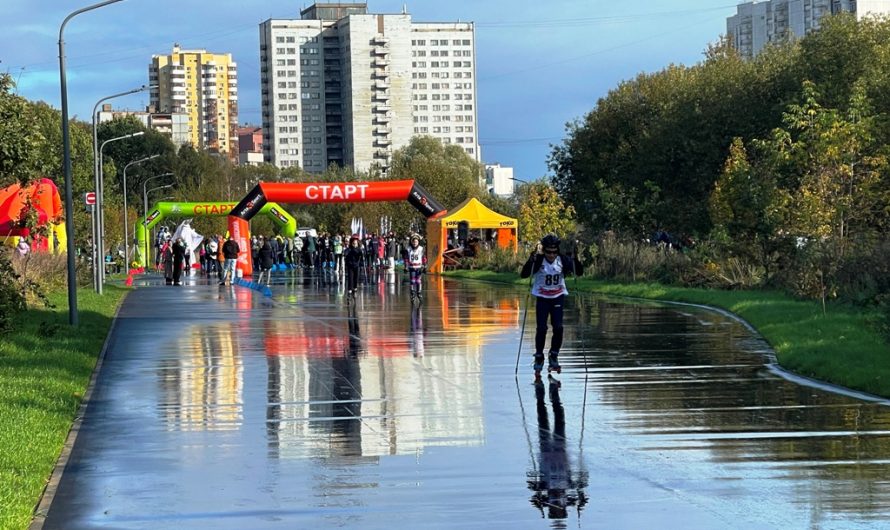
{"type": "Point", "coordinates": [540, 64]}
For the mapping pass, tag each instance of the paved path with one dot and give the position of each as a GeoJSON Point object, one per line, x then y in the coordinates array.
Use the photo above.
{"type": "Point", "coordinates": [221, 408]}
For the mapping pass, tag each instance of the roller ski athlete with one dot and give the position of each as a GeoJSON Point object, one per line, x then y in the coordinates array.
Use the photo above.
{"type": "Point", "coordinates": [416, 266]}
{"type": "Point", "coordinates": [353, 259]}
{"type": "Point", "coordinates": [548, 268]}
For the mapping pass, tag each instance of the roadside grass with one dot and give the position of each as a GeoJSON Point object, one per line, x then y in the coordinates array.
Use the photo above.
{"type": "Point", "coordinates": [843, 347]}
{"type": "Point", "coordinates": [45, 367]}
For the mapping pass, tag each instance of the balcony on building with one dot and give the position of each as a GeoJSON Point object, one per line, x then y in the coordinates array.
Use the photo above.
{"type": "Point", "coordinates": [381, 96]}
{"type": "Point", "coordinates": [382, 119]}
{"type": "Point", "coordinates": [381, 153]}
{"type": "Point", "coordinates": [382, 108]}
{"type": "Point", "coordinates": [380, 39]}
{"type": "Point", "coordinates": [380, 62]}
{"type": "Point", "coordinates": [382, 142]}
{"type": "Point", "coordinates": [380, 51]}
{"type": "Point", "coordinates": [381, 84]}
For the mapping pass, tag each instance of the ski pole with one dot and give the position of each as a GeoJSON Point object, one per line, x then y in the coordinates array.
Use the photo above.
{"type": "Point", "coordinates": [522, 334]}
{"type": "Point", "coordinates": [524, 317]}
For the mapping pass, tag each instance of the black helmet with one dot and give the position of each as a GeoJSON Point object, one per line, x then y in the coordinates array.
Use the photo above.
{"type": "Point", "coordinates": [550, 241]}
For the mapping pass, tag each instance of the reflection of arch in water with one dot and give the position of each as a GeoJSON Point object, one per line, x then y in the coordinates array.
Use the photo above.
{"type": "Point", "coordinates": [373, 388]}
{"type": "Point", "coordinates": [203, 389]}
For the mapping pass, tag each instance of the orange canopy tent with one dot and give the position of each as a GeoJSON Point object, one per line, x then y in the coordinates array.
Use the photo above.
{"type": "Point", "coordinates": [478, 216]}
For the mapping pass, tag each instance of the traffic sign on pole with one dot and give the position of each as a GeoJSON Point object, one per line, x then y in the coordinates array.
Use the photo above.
{"type": "Point", "coordinates": [89, 198]}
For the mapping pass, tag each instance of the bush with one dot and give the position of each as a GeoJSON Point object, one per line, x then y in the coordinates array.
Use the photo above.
{"type": "Point", "coordinates": [12, 297]}
{"type": "Point", "coordinates": [38, 273]}
{"type": "Point", "coordinates": [496, 259]}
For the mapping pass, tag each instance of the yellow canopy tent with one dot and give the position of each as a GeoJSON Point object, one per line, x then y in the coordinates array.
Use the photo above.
{"type": "Point", "coordinates": [478, 216]}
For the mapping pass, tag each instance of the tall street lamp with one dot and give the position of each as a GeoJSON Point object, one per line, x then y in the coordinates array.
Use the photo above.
{"type": "Point", "coordinates": [66, 164]}
{"type": "Point", "coordinates": [98, 228]}
{"type": "Point", "coordinates": [100, 206]}
{"type": "Point", "coordinates": [126, 230]}
{"type": "Point", "coordinates": [145, 207]}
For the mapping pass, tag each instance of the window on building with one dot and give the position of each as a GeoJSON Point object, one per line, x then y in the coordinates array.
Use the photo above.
{"type": "Point", "coordinates": [279, 51]}
{"type": "Point", "coordinates": [280, 62]}
{"type": "Point", "coordinates": [434, 64]}
{"type": "Point", "coordinates": [282, 107]}
{"type": "Point", "coordinates": [434, 42]}
{"type": "Point", "coordinates": [292, 62]}
{"type": "Point", "coordinates": [455, 43]}
{"type": "Point", "coordinates": [293, 106]}
{"type": "Point", "coordinates": [293, 129]}
{"type": "Point", "coordinates": [291, 39]}
{"type": "Point", "coordinates": [279, 39]}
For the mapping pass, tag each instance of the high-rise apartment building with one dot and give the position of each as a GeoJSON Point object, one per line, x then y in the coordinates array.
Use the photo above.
{"type": "Point", "coordinates": [757, 24]}
{"type": "Point", "coordinates": [342, 86]}
{"type": "Point", "coordinates": [205, 87]}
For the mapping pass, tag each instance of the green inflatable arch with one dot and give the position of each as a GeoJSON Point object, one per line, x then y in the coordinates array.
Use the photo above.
{"type": "Point", "coordinates": [163, 210]}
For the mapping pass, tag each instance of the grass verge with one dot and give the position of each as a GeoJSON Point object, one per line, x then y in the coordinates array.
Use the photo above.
{"type": "Point", "coordinates": [842, 347]}
{"type": "Point", "coordinates": [45, 367]}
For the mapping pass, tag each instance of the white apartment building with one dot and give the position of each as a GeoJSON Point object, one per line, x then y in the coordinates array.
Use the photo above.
{"type": "Point", "coordinates": [499, 180]}
{"type": "Point", "coordinates": [757, 24]}
{"type": "Point", "coordinates": [341, 86]}
{"type": "Point", "coordinates": [173, 125]}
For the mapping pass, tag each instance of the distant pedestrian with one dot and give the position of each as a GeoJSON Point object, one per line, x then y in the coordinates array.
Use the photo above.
{"type": "Point", "coordinates": [352, 258]}
{"type": "Point", "coordinates": [230, 252]}
{"type": "Point", "coordinates": [179, 249]}
{"type": "Point", "coordinates": [265, 261]}
{"type": "Point", "coordinates": [23, 248]}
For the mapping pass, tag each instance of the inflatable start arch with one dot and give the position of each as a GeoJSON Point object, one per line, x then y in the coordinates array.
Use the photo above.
{"type": "Point", "coordinates": [322, 192]}
{"type": "Point", "coordinates": [163, 210]}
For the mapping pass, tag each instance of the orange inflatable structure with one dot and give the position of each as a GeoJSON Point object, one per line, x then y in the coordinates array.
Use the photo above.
{"type": "Point", "coordinates": [41, 197]}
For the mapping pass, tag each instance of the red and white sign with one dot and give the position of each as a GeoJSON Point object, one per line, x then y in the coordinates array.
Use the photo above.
{"type": "Point", "coordinates": [89, 198]}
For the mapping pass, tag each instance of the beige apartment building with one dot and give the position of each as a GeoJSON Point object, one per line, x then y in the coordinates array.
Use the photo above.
{"type": "Point", "coordinates": [203, 86]}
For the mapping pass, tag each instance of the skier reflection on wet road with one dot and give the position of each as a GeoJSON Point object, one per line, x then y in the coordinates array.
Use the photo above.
{"type": "Point", "coordinates": [417, 346]}
{"type": "Point", "coordinates": [554, 486]}
{"type": "Point", "coordinates": [355, 338]}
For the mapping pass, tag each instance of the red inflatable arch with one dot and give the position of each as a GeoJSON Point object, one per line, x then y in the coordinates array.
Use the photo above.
{"type": "Point", "coordinates": [322, 192]}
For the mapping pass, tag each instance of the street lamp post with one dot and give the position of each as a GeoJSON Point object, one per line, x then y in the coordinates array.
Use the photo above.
{"type": "Point", "coordinates": [100, 207]}
{"type": "Point", "coordinates": [98, 229]}
{"type": "Point", "coordinates": [126, 229]}
{"type": "Point", "coordinates": [145, 208]}
{"type": "Point", "coordinates": [66, 164]}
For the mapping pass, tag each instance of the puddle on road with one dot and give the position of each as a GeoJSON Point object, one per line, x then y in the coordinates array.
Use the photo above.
{"type": "Point", "coordinates": [311, 412]}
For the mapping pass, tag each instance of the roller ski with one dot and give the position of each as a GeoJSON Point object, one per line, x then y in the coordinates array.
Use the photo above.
{"type": "Point", "coordinates": [553, 364]}
{"type": "Point", "coordinates": [538, 366]}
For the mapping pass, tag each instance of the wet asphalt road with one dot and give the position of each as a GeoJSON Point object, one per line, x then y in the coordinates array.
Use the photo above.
{"type": "Point", "coordinates": [222, 408]}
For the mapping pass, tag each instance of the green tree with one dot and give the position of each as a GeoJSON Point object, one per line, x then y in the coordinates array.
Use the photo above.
{"type": "Point", "coordinates": [750, 209]}
{"type": "Point", "coordinates": [542, 212]}
{"type": "Point", "coordinates": [445, 171]}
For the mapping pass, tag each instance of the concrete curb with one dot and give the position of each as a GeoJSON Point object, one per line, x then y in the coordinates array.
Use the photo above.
{"type": "Point", "coordinates": [49, 492]}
